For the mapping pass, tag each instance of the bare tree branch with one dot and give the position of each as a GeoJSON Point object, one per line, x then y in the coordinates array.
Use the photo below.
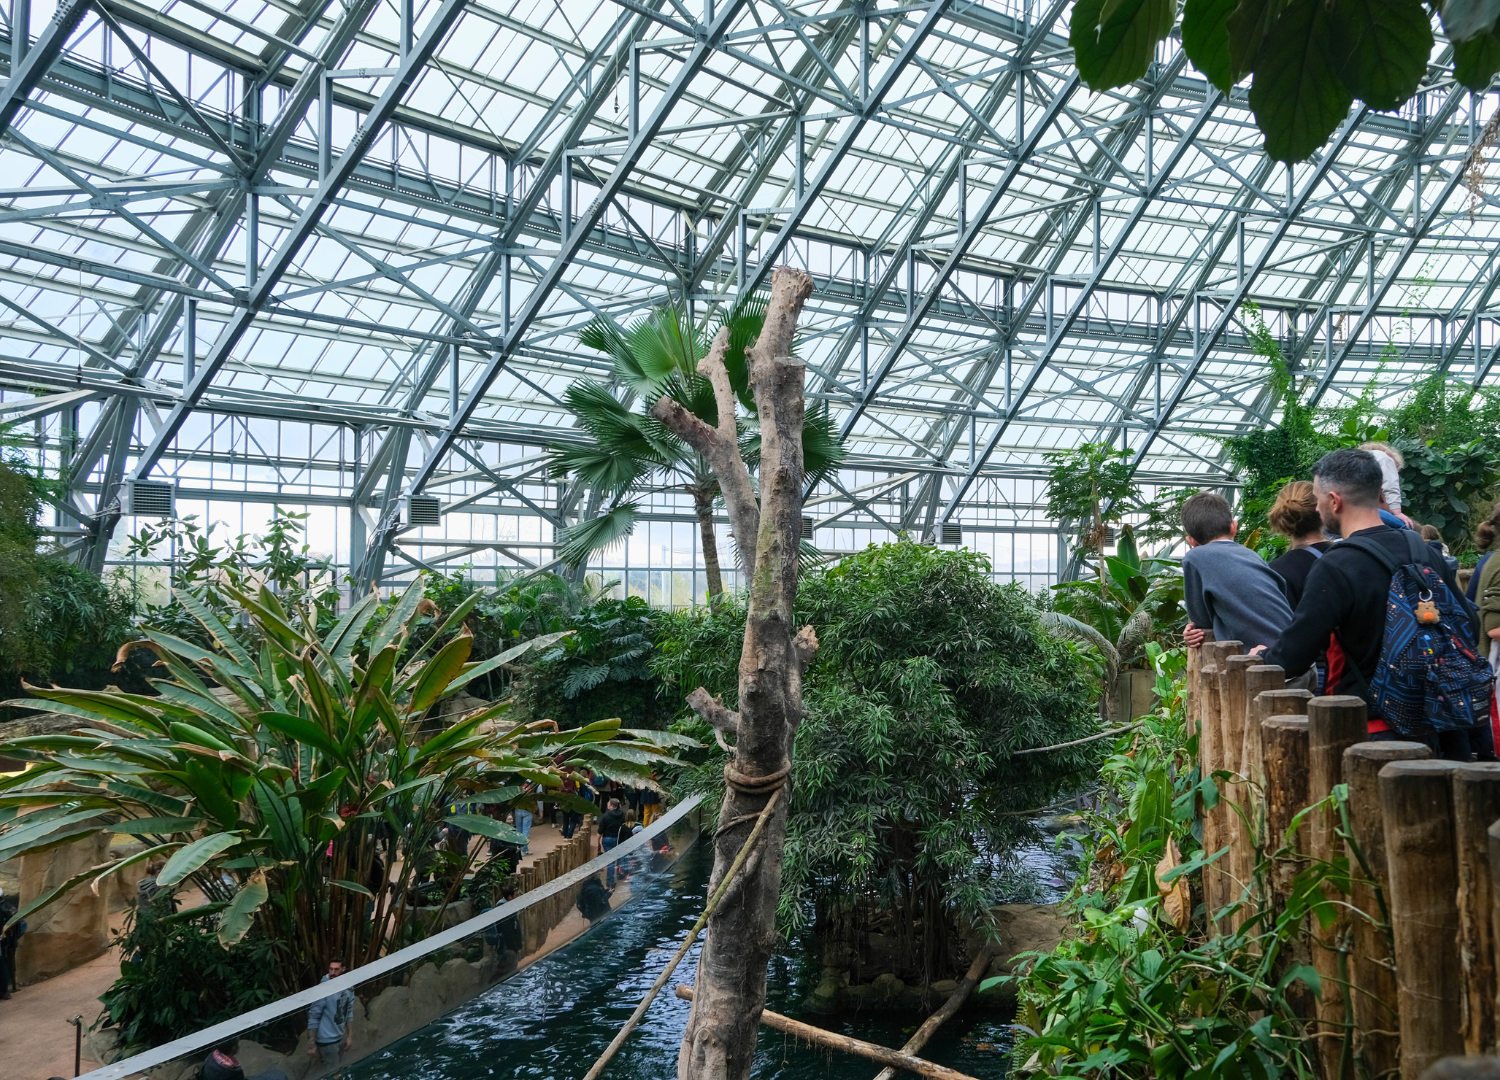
{"type": "Point", "coordinates": [712, 711]}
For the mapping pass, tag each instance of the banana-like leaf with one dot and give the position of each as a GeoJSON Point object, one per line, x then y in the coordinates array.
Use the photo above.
{"type": "Point", "coordinates": [341, 640]}
{"type": "Point", "coordinates": [458, 614]}
{"type": "Point", "coordinates": [99, 703]}
{"type": "Point", "coordinates": [193, 857]}
{"type": "Point", "coordinates": [1065, 626]}
{"type": "Point", "coordinates": [400, 615]}
{"type": "Point", "coordinates": [446, 741]}
{"type": "Point", "coordinates": [486, 826]}
{"type": "Point", "coordinates": [284, 826]}
{"type": "Point", "coordinates": [484, 667]}
{"type": "Point", "coordinates": [303, 730]}
{"type": "Point", "coordinates": [90, 876]}
{"type": "Point", "coordinates": [432, 679]}
{"type": "Point", "coordinates": [201, 611]}
{"type": "Point", "coordinates": [326, 709]}
{"type": "Point", "coordinates": [156, 826]}
{"type": "Point", "coordinates": [203, 704]}
{"type": "Point", "coordinates": [239, 916]}
{"type": "Point", "coordinates": [351, 886]}
{"type": "Point", "coordinates": [146, 797]}
{"type": "Point", "coordinates": [188, 733]}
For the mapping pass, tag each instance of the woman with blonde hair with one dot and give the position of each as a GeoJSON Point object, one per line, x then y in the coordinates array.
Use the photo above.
{"type": "Point", "coordinates": [1295, 516]}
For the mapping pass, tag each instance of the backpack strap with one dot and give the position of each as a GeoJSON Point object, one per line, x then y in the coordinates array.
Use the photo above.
{"type": "Point", "coordinates": [1376, 551]}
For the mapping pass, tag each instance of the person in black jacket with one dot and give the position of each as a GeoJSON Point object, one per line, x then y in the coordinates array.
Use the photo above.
{"type": "Point", "coordinates": [1344, 598]}
{"type": "Point", "coordinates": [224, 1064]}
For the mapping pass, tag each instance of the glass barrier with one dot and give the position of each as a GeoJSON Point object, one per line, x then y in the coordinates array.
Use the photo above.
{"type": "Point", "coordinates": [408, 989]}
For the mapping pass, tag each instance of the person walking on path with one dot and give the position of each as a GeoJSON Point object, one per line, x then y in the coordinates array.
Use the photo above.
{"type": "Point", "coordinates": [11, 929]}
{"type": "Point", "coordinates": [1227, 587]}
{"type": "Point", "coordinates": [328, 1021]}
{"type": "Point", "coordinates": [609, 835]}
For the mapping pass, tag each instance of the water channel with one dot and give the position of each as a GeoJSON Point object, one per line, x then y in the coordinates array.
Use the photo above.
{"type": "Point", "coordinates": [553, 1018]}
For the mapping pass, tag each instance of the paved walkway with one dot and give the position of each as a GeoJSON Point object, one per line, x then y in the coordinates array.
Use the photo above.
{"type": "Point", "coordinates": [36, 1042]}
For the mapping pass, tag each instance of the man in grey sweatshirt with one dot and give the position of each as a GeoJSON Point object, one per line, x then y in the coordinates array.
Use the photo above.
{"type": "Point", "coordinates": [1225, 585]}
{"type": "Point", "coordinates": [328, 1021]}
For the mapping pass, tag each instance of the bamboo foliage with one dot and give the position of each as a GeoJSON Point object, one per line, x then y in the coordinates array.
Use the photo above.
{"type": "Point", "coordinates": [270, 796]}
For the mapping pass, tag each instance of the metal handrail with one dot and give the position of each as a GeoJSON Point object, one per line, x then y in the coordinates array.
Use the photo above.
{"type": "Point", "coordinates": [211, 1037]}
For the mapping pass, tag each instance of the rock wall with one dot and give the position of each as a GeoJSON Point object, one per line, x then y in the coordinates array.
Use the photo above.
{"type": "Point", "coordinates": [71, 930]}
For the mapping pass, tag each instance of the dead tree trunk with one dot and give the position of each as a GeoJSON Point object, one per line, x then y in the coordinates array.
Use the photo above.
{"type": "Point", "coordinates": [731, 982]}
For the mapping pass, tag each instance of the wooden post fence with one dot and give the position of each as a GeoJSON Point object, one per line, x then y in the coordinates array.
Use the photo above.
{"type": "Point", "coordinates": [1476, 806]}
{"type": "Point", "coordinates": [1416, 799]}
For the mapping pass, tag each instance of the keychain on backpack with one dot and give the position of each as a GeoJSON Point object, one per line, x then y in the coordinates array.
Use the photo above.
{"type": "Point", "coordinates": [1427, 613]}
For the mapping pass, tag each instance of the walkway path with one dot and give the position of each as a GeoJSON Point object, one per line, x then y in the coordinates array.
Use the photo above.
{"type": "Point", "coordinates": [36, 1042]}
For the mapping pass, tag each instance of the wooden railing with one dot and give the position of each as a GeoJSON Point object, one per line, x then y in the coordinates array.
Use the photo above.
{"type": "Point", "coordinates": [1427, 834]}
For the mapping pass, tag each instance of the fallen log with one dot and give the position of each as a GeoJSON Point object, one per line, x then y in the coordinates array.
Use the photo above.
{"type": "Point", "coordinates": [955, 1002]}
{"type": "Point", "coordinates": [833, 1041]}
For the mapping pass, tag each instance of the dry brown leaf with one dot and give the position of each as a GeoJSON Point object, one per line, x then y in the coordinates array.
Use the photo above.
{"type": "Point", "coordinates": [1177, 901]}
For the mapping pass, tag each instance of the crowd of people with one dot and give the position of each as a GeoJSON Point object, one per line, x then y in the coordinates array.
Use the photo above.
{"type": "Point", "coordinates": [1364, 602]}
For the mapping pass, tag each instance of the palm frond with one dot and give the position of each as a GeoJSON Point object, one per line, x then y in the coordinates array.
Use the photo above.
{"type": "Point", "coordinates": [1071, 629]}
{"type": "Point", "coordinates": [822, 449]}
{"type": "Point", "coordinates": [1137, 629]}
{"type": "Point", "coordinates": [580, 541]}
{"type": "Point", "coordinates": [745, 322]}
{"type": "Point", "coordinates": [597, 466]}
{"type": "Point", "coordinates": [663, 344]}
{"type": "Point", "coordinates": [617, 429]}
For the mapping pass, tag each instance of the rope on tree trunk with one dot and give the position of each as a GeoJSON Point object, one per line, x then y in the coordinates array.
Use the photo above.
{"type": "Point", "coordinates": [708, 909]}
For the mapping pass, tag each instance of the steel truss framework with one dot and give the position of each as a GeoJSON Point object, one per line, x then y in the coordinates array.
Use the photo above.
{"type": "Point", "coordinates": [381, 223]}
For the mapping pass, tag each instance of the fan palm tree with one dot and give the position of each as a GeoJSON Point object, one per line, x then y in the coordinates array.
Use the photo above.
{"type": "Point", "coordinates": [626, 446]}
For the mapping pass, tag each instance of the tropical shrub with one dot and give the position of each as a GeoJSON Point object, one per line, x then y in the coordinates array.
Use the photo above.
{"type": "Point", "coordinates": [601, 669]}
{"type": "Point", "coordinates": [911, 783]}
{"type": "Point", "coordinates": [57, 621]}
{"type": "Point", "coordinates": [177, 978]}
{"type": "Point", "coordinates": [266, 778]}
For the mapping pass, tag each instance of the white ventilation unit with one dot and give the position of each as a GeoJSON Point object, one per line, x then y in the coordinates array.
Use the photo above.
{"type": "Point", "coordinates": [953, 533]}
{"type": "Point", "coordinates": [149, 498]}
{"type": "Point", "coordinates": [423, 510]}
{"type": "Point", "coordinates": [807, 527]}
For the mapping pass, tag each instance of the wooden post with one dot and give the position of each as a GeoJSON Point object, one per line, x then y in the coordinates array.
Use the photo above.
{"type": "Point", "coordinates": [1260, 679]}
{"type": "Point", "coordinates": [1476, 806]}
{"type": "Point", "coordinates": [1196, 658]}
{"type": "Point", "coordinates": [1334, 725]}
{"type": "Point", "coordinates": [1218, 876]}
{"type": "Point", "coordinates": [1239, 831]}
{"type": "Point", "coordinates": [1284, 750]}
{"type": "Point", "coordinates": [1372, 976]}
{"type": "Point", "coordinates": [1494, 835]}
{"type": "Point", "coordinates": [1416, 801]}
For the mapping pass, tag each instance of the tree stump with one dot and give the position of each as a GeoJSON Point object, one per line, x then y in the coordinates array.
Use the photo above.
{"type": "Point", "coordinates": [1416, 800]}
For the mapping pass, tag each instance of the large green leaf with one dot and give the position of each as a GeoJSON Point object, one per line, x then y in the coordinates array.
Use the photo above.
{"type": "Point", "coordinates": [432, 679]}
{"type": "Point", "coordinates": [1248, 25]}
{"type": "Point", "coordinates": [484, 667]}
{"type": "Point", "coordinates": [1297, 96]}
{"type": "Point", "coordinates": [400, 615]}
{"type": "Point", "coordinates": [486, 826]}
{"type": "Point", "coordinates": [1381, 48]}
{"type": "Point", "coordinates": [239, 916]}
{"type": "Point", "coordinates": [284, 826]}
{"type": "Point", "coordinates": [1114, 41]}
{"type": "Point", "coordinates": [1476, 61]}
{"type": "Point", "coordinates": [340, 641]}
{"type": "Point", "coordinates": [155, 826]}
{"type": "Point", "coordinates": [191, 858]}
{"type": "Point", "coordinates": [92, 875]}
{"type": "Point", "coordinates": [1205, 39]}
{"type": "Point", "coordinates": [303, 730]}
{"type": "Point", "coordinates": [98, 703]}
{"type": "Point", "coordinates": [43, 827]}
{"type": "Point", "coordinates": [146, 797]}
{"type": "Point", "coordinates": [205, 615]}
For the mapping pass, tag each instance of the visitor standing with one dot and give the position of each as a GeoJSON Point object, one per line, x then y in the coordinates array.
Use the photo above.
{"type": "Point", "coordinates": [523, 814]}
{"type": "Point", "coordinates": [1295, 516]}
{"type": "Point", "coordinates": [11, 930]}
{"type": "Point", "coordinates": [609, 835]}
{"type": "Point", "coordinates": [1484, 540]}
{"type": "Point", "coordinates": [1344, 601]}
{"type": "Point", "coordinates": [328, 1021]}
{"type": "Point", "coordinates": [224, 1064]}
{"type": "Point", "coordinates": [650, 804]}
{"type": "Point", "coordinates": [571, 816]}
{"type": "Point", "coordinates": [1226, 586]}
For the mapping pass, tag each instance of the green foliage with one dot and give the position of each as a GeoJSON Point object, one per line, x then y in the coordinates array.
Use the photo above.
{"type": "Point", "coordinates": [600, 670]}
{"type": "Point", "coordinates": [1144, 989]}
{"type": "Point", "coordinates": [177, 979]}
{"type": "Point", "coordinates": [908, 793]}
{"type": "Point", "coordinates": [1308, 59]}
{"type": "Point", "coordinates": [1091, 486]}
{"type": "Point", "coordinates": [270, 794]}
{"type": "Point", "coordinates": [56, 620]}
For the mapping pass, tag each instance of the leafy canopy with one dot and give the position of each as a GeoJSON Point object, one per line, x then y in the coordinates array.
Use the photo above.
{"type": "Point", "coordinates": [1308, 60]}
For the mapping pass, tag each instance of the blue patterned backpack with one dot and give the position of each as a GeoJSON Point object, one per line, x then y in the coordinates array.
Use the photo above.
{"type": "Point", "coordinates": [1429, 677]}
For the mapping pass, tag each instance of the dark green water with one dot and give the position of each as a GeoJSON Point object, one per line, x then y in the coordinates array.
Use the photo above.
{"type": "Point", "coordinates": [554, 1018]}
